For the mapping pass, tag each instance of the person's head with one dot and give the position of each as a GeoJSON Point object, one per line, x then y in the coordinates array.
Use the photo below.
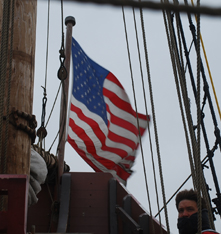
{"type": "Point", "coordinates": [186, 203]}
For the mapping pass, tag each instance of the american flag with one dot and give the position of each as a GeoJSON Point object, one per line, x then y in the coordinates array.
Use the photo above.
{"type": "Point", "coordinates": [102, 124]}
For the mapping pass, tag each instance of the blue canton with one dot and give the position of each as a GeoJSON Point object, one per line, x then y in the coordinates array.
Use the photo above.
{"type": "Point", "coordinates": [88, 81]}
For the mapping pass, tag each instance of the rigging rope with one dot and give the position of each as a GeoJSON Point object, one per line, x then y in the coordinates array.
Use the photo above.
{"type": "Point", "coordinates": [183, 81]}
{"type": "Point", "coordinates": [42, 132]}
{"type": "Point", "coordinates": [209, 71]}
{"type": "Point", "coordinates": [198, 161]}
{"type": "Point", "coordinates": [179, 66]}
{"type": "Point", "coordinates": [152, 103]}
{"type": "Point", "coordinates": [148, 126]}
{"type": "Point", "coordinates": [150, 142]}
{"type": "Point", "coordinates": [178, 72]}
{"type": "Point", "coordinates": [53, 105]}
{"type": "Point", "coordinates": [204, 189]}
{"type": "Point", "coordinates": [183, 84]}
{"type": "Point", "coordinates": [46, 68]}
{"type": "Point", "coordinates": [201, 184]}
{"type": "Point", "coordinates": [61, 72]}
{"type": "Point", "coordinates": [180, 69]}
{"type": "Point", "coordinates": [204, 161]}
{"type": "Point", "coordinates": [156, 134]}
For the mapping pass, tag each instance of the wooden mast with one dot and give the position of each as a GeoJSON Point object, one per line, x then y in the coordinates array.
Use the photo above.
{"type": "Point", "coordinates": [22, 81]}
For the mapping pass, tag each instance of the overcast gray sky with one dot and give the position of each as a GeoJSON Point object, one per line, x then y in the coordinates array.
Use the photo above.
{"type": "Point", "coordinates": [100, 32]}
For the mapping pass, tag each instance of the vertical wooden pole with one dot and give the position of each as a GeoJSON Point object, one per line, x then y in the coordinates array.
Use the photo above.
{"type": "Point", "coordinates": [22, 81]}
{"type": "Point", "coordinates": [69, 22]}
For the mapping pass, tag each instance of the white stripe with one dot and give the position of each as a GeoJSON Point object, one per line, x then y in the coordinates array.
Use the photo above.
{"type": "Point", "coordinates": [90, 114]}
{"type": "Point", "coordinates": [118, 145]}
{"type": "Point", "coordinates": [123, 132]}
{"type": "Point", "coordinates": [96, 142]}
{"type": "Point", "coordinates": [88, 130]}
{"type": "Point", "coordinates": [120, 113]}
{"type": "Point", "coordinates": [122, 95]}
{"type": "Point", "coordinates": [116, 89]}
{"type": "Point", "coordinates": [92, 159]}
{"type": "Point", "coordinates": [143, 123]}
{"type": "Point", "coordinates": [114, 128]}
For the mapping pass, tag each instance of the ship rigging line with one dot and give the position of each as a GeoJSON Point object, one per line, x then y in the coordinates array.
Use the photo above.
{"type": "Point", "coordinates": [207, 94]}
{"type": "Point", "coordinates": [204, 161]}
{"type": "Point", "coordinates": [194, 143]}
{"type": "Point", "coordinates": [144, 92]}
{"type": "Point", "coordinates": [194, 91]}
{"type": "Point", "coordinates": [62, 45]}
{"type": "Point", "coordinates": [46, 68]}
{"type": "Point", "coordinates": [53, 105]}
{"type": "Point", "coordinates": [199, 170]}
{"type": "Point", "coordinates": [203, 10]}
{"type": "Point", "coordinates": [148, 126]}
{"type": "Point", "coordinates": [183, 89]}
{"type": "Point", "coordinates": [178, 70]}
{"type": "Point", "coordinates": [209, 71]}
{"type": "Point", "coordinates": [44, 99]}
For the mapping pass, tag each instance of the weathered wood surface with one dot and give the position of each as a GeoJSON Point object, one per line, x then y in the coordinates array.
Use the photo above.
{"type": "Point", "coordinates": [22, 81]}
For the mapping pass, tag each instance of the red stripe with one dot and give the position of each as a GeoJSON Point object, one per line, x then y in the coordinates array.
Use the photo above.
{"type": "Point", "coordinates": [121, 122]}
{"type": "Point", "coordinates": [119, 139]}
{"type": "Point", "coordinates": [91, 149]}
{"type": "Point", "coordinates": [82, 154]}
{"type": "Point", "coordinates": [121, 153]}
{"type": "Point", "coordinates": [121, 104]}
{"type": "Point", "coordinates": [110, 165]}
{"type": "Point", "coordinates": [114, 79]}
{"type": "Point", "coordinates": [144, 117]}
{"type": "Point", "coordinates": [93, 124]}
{"type": "Point", "coordinates": [125, 124]}
{"type": "Point", "coordinates": [130, 158]}
{"type": "Point", "coordinates": [119, 171]}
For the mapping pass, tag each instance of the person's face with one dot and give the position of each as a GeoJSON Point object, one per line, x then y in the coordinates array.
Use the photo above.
{"type": "Point", "coordinates": [186, 208]}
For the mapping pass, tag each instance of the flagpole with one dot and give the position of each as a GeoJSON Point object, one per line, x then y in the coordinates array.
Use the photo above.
{"type": "Point", "coordinates": [69, 22]}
